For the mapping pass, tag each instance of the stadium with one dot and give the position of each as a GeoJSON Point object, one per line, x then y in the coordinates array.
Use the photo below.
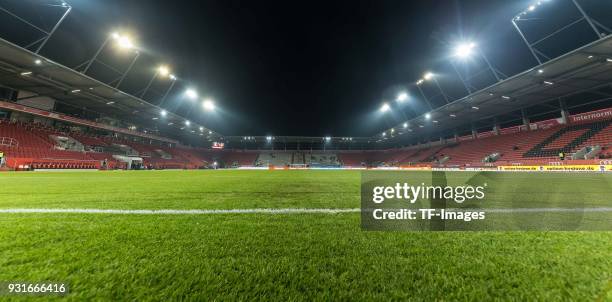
{"type": "Point", "coordinates": [124, 180]}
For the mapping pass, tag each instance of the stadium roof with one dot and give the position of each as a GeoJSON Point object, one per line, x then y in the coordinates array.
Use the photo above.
{"type": "Point", "coordinates": [584, 69]}
{"type": "Point", "coordinates": [21, 69]}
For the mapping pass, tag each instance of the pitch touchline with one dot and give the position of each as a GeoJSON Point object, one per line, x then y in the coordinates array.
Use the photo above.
{"type": "Point", "coordinates": [281, 211]}
{"type": "Point", "coordinates": [183, 212]}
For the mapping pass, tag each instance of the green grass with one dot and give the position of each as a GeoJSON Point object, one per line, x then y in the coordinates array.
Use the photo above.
{"type": "Point", "coordinates": [274, 257]}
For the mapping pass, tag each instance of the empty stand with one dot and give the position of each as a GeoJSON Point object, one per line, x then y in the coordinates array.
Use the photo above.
{"type": "Point", "coordinates": [38, 146]}
{"type": "Point", "coordinates": [274, 159]}
{"type": "Point", "coordinates": [321, 159]}
{"type": "Point", "coordinates": [568, 139]}
{"type": "Point", "coordinates": [239, 158]}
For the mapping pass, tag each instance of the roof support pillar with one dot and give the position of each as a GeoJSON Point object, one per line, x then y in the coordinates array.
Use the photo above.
{"type": "Point", "coordinates": [525, 120]}
{"type": "Point", "coordinates": [564, 112]}
{"type": "Point", "coordinates": [495, 126]}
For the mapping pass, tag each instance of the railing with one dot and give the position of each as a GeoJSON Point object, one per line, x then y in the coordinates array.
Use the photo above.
{"type": "Point", "coordinates": [8, 141]}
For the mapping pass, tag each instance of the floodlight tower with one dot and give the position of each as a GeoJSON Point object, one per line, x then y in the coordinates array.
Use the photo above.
{"type": "Point", "coordinates": [538, 54]}
{"type": "Point", "coordinates": [172, 78]}
{"type": "Point", "coordinates": [122, 41]}
{"type": "Point", "coordinates": [161, 71]}
{"type": "Point", "coordinates": [465, 50]}
{"type": "Point", "coordinates": [418, 84]}
{"type": "Point", "coordinates": [128, 69]}
{"type": "Point", "coordinates": [429, 76]}
{"type": "Point", "coordinates": [68, 8]}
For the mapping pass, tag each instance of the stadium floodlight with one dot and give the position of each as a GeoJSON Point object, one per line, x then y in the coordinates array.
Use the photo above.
{"type": "Point", "coordinates": [122, 41]}
{"type": "Point", "coordinates": [402, 97]}
{"type": "Point", "coordinates": [465, 50]}
{"type": "Point", "coordinates": [384, 134]}
{"type": "Point", "coordinates": [427, 116]}
{"type": "Point", "coordinates": [173, 77]}
{"type": "Point", "coordinates": [187, 123]}
{"type": "Point", "coordinates": [191, 93]}
{"type": "Point", "coordinates": [431, 76]}
{"type": "Point", "coordinates": [268, 138]}
{"type": "Point", "coordinates": [327, 139]}
{"type": "Point", "coordinates": [163, 70]}
{"type": "Point", "coordinates": [405, 125]}
{"type": "Point", "coordinates": [385, 107]}
{"type": "Point", "coordinates": [163, 113]}
{"type": "Point", "coordinates": [209, 105]}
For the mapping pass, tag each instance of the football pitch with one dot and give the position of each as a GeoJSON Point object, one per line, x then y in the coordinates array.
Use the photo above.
{"type": "Point", "coordinates": [238, 253]}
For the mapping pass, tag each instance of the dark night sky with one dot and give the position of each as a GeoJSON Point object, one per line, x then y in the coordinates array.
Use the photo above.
{"type": "Point", "coordinates": [294, 67]}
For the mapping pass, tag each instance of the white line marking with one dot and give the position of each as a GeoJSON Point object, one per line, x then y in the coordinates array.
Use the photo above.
{"type": "Point", "coordinates": [280, 211]}
{"type": "Point", "coordinates": [184, 212]}
{"type": "Point", "coordinates": [543, 210]}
